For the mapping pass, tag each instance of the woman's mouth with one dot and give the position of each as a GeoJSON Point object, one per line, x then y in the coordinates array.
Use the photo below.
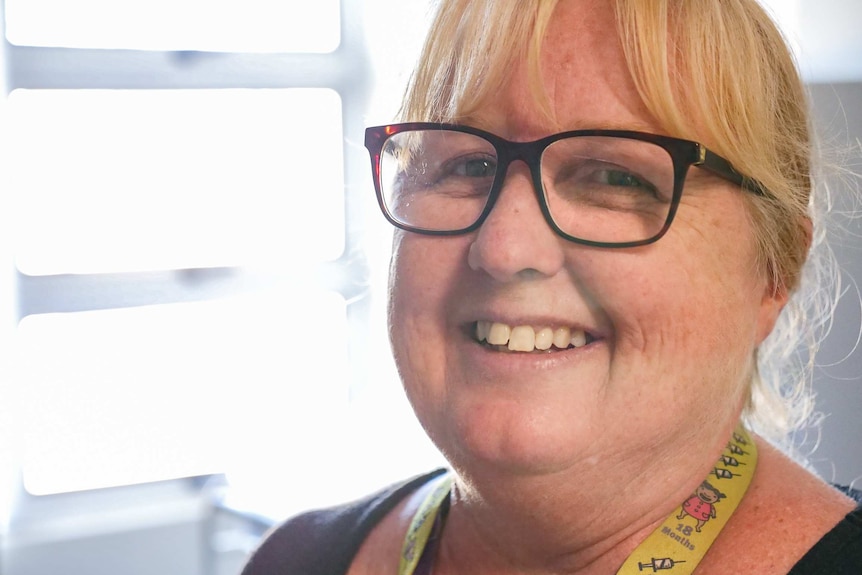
{"type": "Point", "coordinates": [528, 339]}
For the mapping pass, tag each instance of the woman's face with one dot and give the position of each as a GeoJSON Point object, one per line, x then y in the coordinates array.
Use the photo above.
{"type": "Point", "coordinates": [670, 327]}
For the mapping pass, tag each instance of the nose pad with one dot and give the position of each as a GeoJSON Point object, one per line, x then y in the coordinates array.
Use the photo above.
{"type": "Point", "coordinates": [515, 241]}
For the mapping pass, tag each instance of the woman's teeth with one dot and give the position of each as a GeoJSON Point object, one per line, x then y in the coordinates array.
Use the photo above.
{"type": "Point", "coordinates": [525, 338]}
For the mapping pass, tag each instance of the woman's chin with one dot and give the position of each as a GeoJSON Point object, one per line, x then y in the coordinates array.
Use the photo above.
{"type": "Point", "coordinates": [516, 451]}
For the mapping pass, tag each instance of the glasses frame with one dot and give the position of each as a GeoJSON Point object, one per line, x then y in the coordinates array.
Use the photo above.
{"type": "Point", "coordinates": [683, 153]}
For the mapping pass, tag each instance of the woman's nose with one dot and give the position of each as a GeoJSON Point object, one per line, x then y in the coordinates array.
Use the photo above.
{"type": "Point", "coordinates": [515, 241]}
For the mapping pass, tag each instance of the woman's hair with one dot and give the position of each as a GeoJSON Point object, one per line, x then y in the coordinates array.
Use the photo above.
{"type": "Point", "coordinates": [718, 72]}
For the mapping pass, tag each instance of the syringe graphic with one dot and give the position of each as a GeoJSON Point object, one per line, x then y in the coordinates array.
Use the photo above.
{"type": "Point", "coordinates": [731, 461]}
{"type": "Point", "coordinates": [659, 564]}
{"type": "Point", "coordinates": [736, 450]}
{"type": "Point", "coordinates": [723, 473]}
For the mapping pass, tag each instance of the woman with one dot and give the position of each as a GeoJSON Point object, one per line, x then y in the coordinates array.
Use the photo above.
{"type": "Point", "coordinates": [578, 298]}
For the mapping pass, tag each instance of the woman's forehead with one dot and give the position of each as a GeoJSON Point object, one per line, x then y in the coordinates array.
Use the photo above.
{"type": "Point", "coordinates": [585, 82]}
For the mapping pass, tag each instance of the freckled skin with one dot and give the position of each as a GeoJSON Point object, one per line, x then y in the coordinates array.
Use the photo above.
{"type": "Point", "coordinates": [566, 461]}
{"type": "Point", "coordinates": [680, 318]}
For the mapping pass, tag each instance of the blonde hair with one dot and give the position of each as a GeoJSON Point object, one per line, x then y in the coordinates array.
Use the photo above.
{"type": "Point", "coordinates": [718, 72]}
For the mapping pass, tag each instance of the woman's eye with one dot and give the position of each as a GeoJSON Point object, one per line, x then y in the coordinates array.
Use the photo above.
{"type": "Point", "coordinates": [475, 168]}
{"type": "Point", "coordinates": [621, 178]}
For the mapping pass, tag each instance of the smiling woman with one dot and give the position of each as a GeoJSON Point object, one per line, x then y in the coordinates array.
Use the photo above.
{"type": "Point", "coordinates": [577, 309]}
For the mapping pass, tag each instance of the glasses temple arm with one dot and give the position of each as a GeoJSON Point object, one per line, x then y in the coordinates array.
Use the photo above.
{"type": "Point", "coordinates": [723, 168]}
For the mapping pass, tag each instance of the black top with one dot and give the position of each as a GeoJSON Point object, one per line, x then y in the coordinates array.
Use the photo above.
{"type": "Point", "coordinates": [324, 542]}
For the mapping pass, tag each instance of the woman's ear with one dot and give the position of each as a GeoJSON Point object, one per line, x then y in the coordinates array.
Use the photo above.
{"type": "Point", "coordinates": [774, 300]}
{"type": "Point", "coordinates": [777, 290]}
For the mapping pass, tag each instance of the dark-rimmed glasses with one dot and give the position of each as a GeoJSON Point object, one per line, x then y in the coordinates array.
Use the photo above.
{"type": "Point", "coordinates": [608, 188]}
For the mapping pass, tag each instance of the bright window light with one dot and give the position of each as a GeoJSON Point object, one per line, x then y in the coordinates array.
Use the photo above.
{"type": "Point", "coordinates": [208, 25]}
{"type": "Point", "coordinates": [127, 396]}
{"type": "Point", "coordinates": [117, 181]}
{"type": "Point", "coordinates": [284, 389]}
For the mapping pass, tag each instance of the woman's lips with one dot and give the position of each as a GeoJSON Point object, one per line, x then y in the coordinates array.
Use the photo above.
{"type": "Point", "coordinates": [526, 338]}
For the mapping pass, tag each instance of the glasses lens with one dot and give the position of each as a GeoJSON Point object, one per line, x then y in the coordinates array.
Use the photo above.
{"type": "Point", "coordinates": [436, 179]}
{"type": "Point", "coordinates": [608, 189]}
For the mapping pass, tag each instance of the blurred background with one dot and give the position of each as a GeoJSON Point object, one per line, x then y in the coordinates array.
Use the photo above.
{"type": "Point", "coordinates": [192, 270]}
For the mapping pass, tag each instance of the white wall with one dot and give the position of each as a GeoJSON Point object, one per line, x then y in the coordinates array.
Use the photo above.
{"type": "Point", "coordinates": [838, 380]}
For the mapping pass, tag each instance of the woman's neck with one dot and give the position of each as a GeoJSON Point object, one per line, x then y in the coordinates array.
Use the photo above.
{"type": "Point", "coordinates": [582, 521]}
{"type": "Point", "coordinates": [481, 538]}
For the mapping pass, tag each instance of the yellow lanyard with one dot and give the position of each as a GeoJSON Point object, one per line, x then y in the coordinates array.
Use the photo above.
{"type": "Point", "coordinates": [677, 545]}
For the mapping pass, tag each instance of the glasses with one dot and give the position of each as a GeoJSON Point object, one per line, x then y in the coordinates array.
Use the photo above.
{"type": "Point", "coordinates": [608, 188]}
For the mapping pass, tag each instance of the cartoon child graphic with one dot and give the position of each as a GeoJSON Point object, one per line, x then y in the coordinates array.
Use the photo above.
{"type": "Point", "coordinates": [701, 504]}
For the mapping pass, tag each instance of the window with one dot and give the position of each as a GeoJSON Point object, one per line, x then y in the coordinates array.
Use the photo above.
{"type": "Point", "coordinates": [212, 25]}
{"type": "Point", "coordinates": [137, 180]}
{"type": "Point", "coordinates": [197, 252]}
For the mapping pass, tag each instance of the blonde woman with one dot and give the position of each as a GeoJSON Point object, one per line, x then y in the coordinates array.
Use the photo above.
{"type": "Point", "coordinates": [602, 210]}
